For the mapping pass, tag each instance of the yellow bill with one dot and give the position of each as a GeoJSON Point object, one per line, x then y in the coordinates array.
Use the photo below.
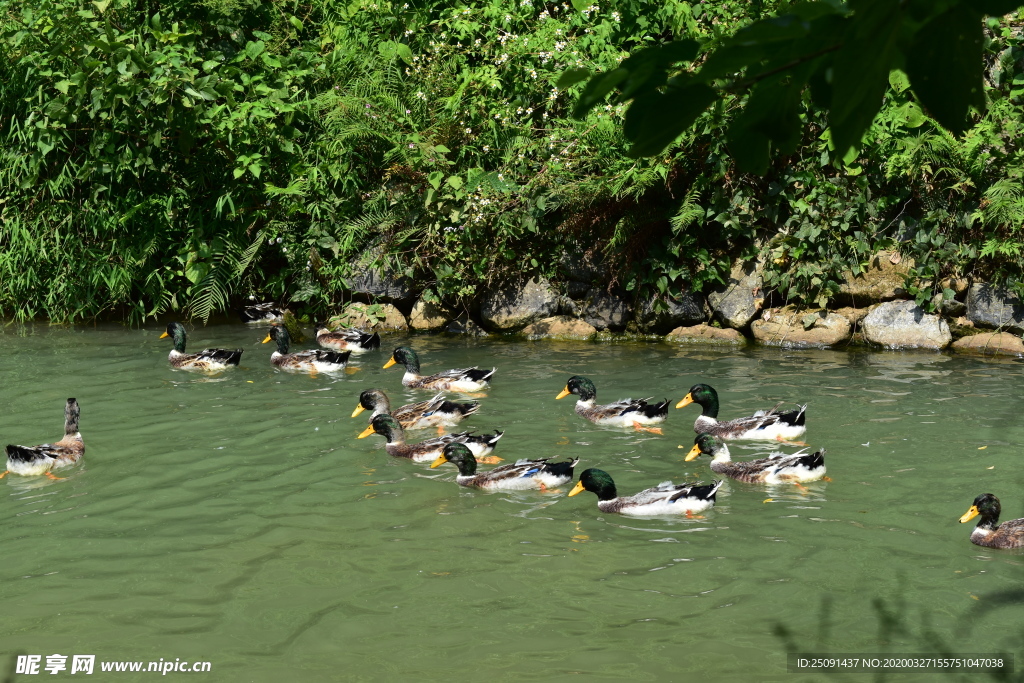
{"type": "Point", "coordinates": [577, 489]}
{"type": "Point", "coordinates": [389, 363]}
{"type": "Point", "coordinates": [693, 454]}
{"type": "Point", "coordinates": [164, 335]}
{"type": "Point", "coordinates": [439, 461]}
{"type": "Point", "coordinates": [565, 392]}
{"type": "Point", "coordinates": [970, 514]}
{"type": "Point", "coordinates": [687, 400]}
{"type": "Point", "coordinates": [359, 409]}
{"type": "Point", "coordinates": [266, 340]}
{"type": "Point", "coordinates": [365, 433]}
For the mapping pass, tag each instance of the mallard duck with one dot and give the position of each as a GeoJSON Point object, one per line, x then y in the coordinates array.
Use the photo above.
{"type": "Point", "coordinates": [437, 412]}
{"type": "Point", "coordinates": [313, 360]}
{"type": "Point", "coordinates": [989, 532]}
{"type": "Point", "coordinates": [464, 380]}
{"type": "Point", "coordinates": [427, 451]}
{"type": "Point", "coordinates": [207, 359]}
{"type": "Point", "coordinates": [624, 413]}
{"type": "Point", "coordinates": [761, 425]}
{"type": "Point", "coordinates": [262, 313]}
{"type": "Point", "coordinates": [39, 460]}
{"type": "Point", "coordinates": [775, 469]}
{"type": "Point", "coordinates": [523, 474]}
{"type": "Point", "coordinates": [663, 499]}
{"type": "Point", "coordinates": [352, 340]}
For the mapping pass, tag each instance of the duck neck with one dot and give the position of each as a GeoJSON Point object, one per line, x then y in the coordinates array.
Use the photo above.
{"type": "Point", "coordinates": [179, 339]}
{"type": "Point", "coordinates": [709, 406]}
{"type": "Point", "coordinates": [722, 454]}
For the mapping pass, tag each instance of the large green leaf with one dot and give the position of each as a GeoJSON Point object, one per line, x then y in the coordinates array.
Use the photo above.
{"type": "Point", "coordinates": [663, 117]}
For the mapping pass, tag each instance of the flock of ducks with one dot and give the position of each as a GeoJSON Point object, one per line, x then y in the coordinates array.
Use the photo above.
{"type": "Point", "coordinates": [466, 450]}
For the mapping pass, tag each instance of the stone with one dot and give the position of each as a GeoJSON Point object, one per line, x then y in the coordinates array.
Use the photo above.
{"type": "Point", "coordinates": [512, 309]}
{"type": "Point", "coordinates": [950, 308]}
{"type": "Point", "coordinates": [804, 329]}
{"type": "Point", "coordinates": [705, 334]}
{"type": "Point", "coordinates": [378, 284]}
{"type": "Point", "coordinates": [882, 280]}
{"type": "Point", "coordinates": [991, 344]}
{"type": "Point", "coordinates": [738, 301]}
{"type": "Point", "coordinates": [990, 306]}
{"type": "Point", "coordinates": [582, 263]}
{"type": "Point", "coordinates": [427, 315]}
{"type": "Point", "coordinates": [467, 326]}
{"type": "Point", "coordinates": [854, 315]}
{"type": "Point", "coordinates": [604, 311]}
{"type": "Point", "coordinates": [559, 327]}
{"type": "Point", "coordinates": [652, 318]}
{"type": "Point", "coordinates": [370, 317]}
{"type": "Point", "coordinates": [904, 325]}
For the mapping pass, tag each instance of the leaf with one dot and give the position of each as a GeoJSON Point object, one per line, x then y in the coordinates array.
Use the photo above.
{"type": "Point", "coordinates": [253, 49]}
{"type": "Point", "coordinates": [808, 321]}
{"type": "Point", "coordinates": [580, 6]}
{"type": "Point", "coordinates": [455, 182]}
{"type": "Point", "coordinates": [404, 53]}
{"type": "Point", "coordinates": [442, 149]}
{"type": "Point", "coordinates": [596, 90]}
{"type": "Point", "coordinates": [572, 77]}
{"type": "Point", "coordinates": [101, 5]}
{"type": "Point", "coordinates": [63, 86]}
{"type": "Point", "coordinates": [295, 21]}
{"type": "Point", "coordinates": [435, 179]}
{"type": "Point", "coordinates": [663, 117]}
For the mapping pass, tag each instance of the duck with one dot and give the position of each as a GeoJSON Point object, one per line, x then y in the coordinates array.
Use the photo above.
{"type": "Point", "coordinates": [349, 339]}
{"type": "Point", "coordinates": [436, 412]}
{"type": "Point", "coordinates": [522, 474]}
{"type": "Point", "coordinates": [262, 313]}
{"type": "Point", "coordinates": [209, 360]}
{"type": "Point", "coordinates": [624, 413]}
{"type": "Point", "coordinates": [28, 461]}
{"type": "Point", "coordinates": [764, 424]}
{"type": "Point", "coordinates": [465, 379]}
{"type": "Point", "coordinates": [427, 451]}
{"type": "Point", "coordinates": [989, 532]}
{"type": "Point", "coordinates": [777, 468]}
{"type": "Point", "coordinates": [314, 360]}
{"type": "Point", "coordinates": [663, 499]}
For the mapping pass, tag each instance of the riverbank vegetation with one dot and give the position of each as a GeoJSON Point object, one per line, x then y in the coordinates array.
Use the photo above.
{"type": "Point", "coordinates": [182, 156]}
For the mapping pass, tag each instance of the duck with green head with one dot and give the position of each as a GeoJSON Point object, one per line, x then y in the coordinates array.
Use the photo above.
{"type": "Point", "coordinates": [436, 412]}
{"type": "Point", "coordinates": [313, 361]}
{"type": "Point", "coordinates": [346, 339]}
{"type": "Point", "coordinates": [777, 468]}
{"type": "Point", "coordinates": [29, 461]}
{"type": "Point", "coordinates": [207, 360]}
{"type": "Point", "coordinates": [663, 499]}
{"type": "Point", "coordinates": [989, 532]}
{"type": "Point", "coordinates": [764, 424]}
{"type": "Point", "coordinates": [520, 475]}
{"type": "Point", "coordinates": [465, 380]}
{"type": "Point", "coordinates": [428, 450]}
{"type": "Point", "coordinates": [625, 413]}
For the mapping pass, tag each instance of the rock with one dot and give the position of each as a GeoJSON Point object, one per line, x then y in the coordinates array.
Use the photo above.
{"type": "Point", "coordinates": [854, 315]}
{"type": "Point", "coordinates": [604, 311]}
{"type": "Point", "coordinates": [583, 263]}
{"type": "Point", "coordinates": [559, 327]}
{"type": "Point", "coordinates": [989, 306]}
{"type": "Point", "coordinates": [803, 329]}
{"type": "Point", "coordinates": [514, 308]}
{"type": "Point", "coordinates": [370, 317]}
{"type": "Point", "coordinates": [903, 324]}
{"type": "Point", "coordinates": [427, 315]}
{"type": "Point", "coordinates": [951, 308]}
{"type": "Point", "coordinates": [659, 316]}
{"type": "Point", "coordinates": [883, 280]}
{"type": "Point", "coordinates": [467, 326]}
{"type": "Point", "coordinates": [378, 284]}
{"type": "Point", "coordinates": [991, 344]}
{"type": "Point", "coordinates": [736, 303]}
{"type": "Point", "coordinates": [705, 334]}
{"type": "Point", "coordinates": [958, 284]}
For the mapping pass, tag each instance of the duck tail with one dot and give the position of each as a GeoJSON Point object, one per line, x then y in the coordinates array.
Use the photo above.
{"type": "Point", "coordinates": [339, 357]}
{"type": "Point", "coordinates": [653, 410]}
{"type": "Point", "coordinates": [797, 418]}
{"type": "Point", "coordinates": [491, 439]}
{"type": "Point", "coordinates": [464, 409]}
{"type": "Point", "coordinates": [561, 469]}
{"type": "Point", "coordinates": [813, 461]}
{"type": "Point", "coordinates": [370, 342]}
{"type": "Point", "coordinates": [24, 454]}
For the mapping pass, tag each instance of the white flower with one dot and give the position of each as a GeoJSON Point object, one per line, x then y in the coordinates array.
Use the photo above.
{"type": "Point", "coordinates": [615, 16]}
{"type": "Point", "coordinates": [469, 130]}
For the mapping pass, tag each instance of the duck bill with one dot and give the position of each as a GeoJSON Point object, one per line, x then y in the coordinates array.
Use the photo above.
{"type": "Point", "coordinates": [164, 335]}
{"type": "Point", "coordinates": [439, 461]}
{"type": "Point", "coordinates": [693, 454]}
{"type": "Point", "coordinates": [577, 489]}
{"type": "Point", "coordinates": [359, 409]}
{"type": "Point", "coordinates": [970, 514]}
{"type": "Point", "coordinates": [565, 392]}
{"type": "Point", "coordinates": [266, 340]}
{"type": "Point", "coordinates": [390, 363]}
{"type": "Point", "coordinates": [687, 400]}
{"type": "Point", "coordinates": [366, 432]}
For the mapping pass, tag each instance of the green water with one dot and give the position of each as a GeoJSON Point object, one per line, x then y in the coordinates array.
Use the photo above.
{"type": "Point", "coordinates": [237, 520]}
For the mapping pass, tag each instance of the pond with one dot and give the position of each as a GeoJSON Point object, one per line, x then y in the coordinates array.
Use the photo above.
{"type": "Point", "coordinates": [236, 519]}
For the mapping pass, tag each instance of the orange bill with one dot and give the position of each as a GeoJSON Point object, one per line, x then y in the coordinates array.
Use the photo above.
{"type": "Point", "coordinates": [693, 454]}
{"type": "Point", "coordinates": [577, 489]}
{"type": "Point", "coordinates": [389, 363]}
{"type": "Point", "coordinates": [365, 433]}
{"type": "Point", "coordinates": [266, 340]}
{"type": "Point", "coordinates": [970, 514]}
{"type": "Point", "coordinates": [359, 409]}
{"type": "Point", "coordinates": [164, 335]}
{"type": "Point", "coordinates": [687, 400]}
{"type": "Point", "coordinates": [440, 461]}
{"type": "Point", "coordinates": [565, 392]}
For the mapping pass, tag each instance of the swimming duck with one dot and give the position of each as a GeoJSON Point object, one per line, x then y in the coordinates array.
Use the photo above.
{"type": "Point", "coordinates": [207, 359]}
{"type": "Point", "coordinates": [304, 361]}
{"type": "Point", "coordinates": [989, 532]}
{"type": "Point", "coordinates": [262, 313]}
{"type": "Point", "coordinates": [624, 413]}
{"type": "Point", "coordinates": [351, 339]}
{"type": "Point", "coordinates": [436, 412]}
{"type": "Point", "coordinates": [663, 499]}
{"type": "Point", "coordinates": [761, 425]}
{"type": "Point", "coordinates": [428, 450]}
{"type": "Point", "coordinates": [523, 474]}
{"type": "Point", "coordinates": [775, 469]}
{"type": "Point", "coordinates": [39, 460]}
{"type": "Point", "coordinates": [464, 379]}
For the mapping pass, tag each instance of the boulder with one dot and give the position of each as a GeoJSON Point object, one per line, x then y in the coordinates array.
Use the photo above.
{"type": "Point", "coordinates": [854, 315]}
{"type": "Point", "coordinates": [802, 329]}
{"type": "Point", "coordinates": [883, 280]}
{"type": "Point", "coordinates": [737, 302]}
{"type": "Point", "coordinates": [465, 325]}
{"type": "Point", "coordinates": [990, 306]}
{"type": "Point", "coordinates": [513, 308]}
{"type": "Point", "coordinates": [903, 325]}
{"type": "Point", "coordinates": [427, 315]}
{"type": "Point", "coordinates": [991, 344]}
{"type": "Point", "coordinates": [377, 284]}
{"type": "Point", "coordinates": [559, 327]}
{"type": "Point", "coordinates": [705, 334]}
{"type": "Point", "coordinates": [603, 310]}
{"type": "Point", "coordinates": [370, 317]}
{"type": "Point", "coordinates": [659, 316]}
